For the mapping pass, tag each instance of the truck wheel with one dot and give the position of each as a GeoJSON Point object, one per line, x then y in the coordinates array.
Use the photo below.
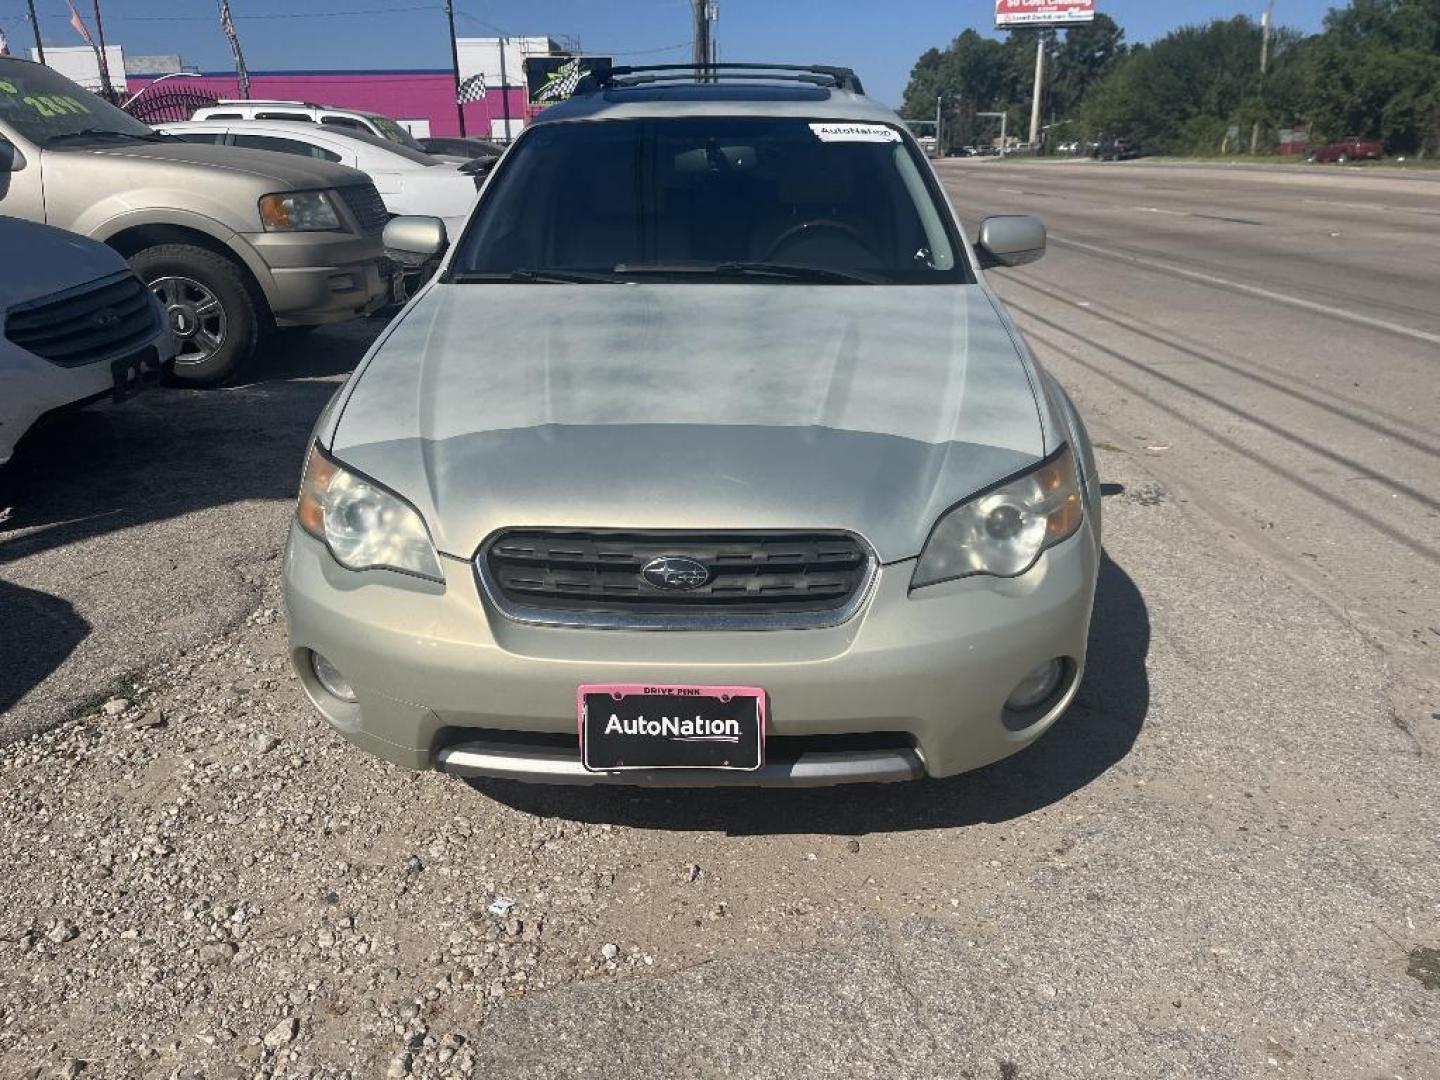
{"type": "Point", "coordinates": [210, 309]}
{"type": "Point", "coordinates": [1342, 159]}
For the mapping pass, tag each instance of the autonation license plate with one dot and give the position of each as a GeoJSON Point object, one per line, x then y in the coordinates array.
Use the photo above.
{"type": "Point", "coordinates": [632, 726]}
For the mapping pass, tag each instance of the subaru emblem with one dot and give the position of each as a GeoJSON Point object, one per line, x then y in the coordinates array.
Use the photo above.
{"type": "Point", "coordinates": [675, 572]}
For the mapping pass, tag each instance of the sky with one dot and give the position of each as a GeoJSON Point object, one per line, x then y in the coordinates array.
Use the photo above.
{"type": "Point", "coordinates": [880, 40]}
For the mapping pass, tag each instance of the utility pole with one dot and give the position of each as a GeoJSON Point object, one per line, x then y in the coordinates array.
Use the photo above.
{"type": "Point", "coordinates": [35, 28]}
{"type": "Point", "coordinates": [1265, 21]}
{"type": "Point", "coordinates": [505, 90]}
{"type": "Point", "coordinates": [701, 54]}
{"type": "Point", "coordinates": [1039, 87]}
{"type": "Point", "coordinates": [105, 83]}
{"type": "Point", "coordinates": [455, 66]}
{"type": "Point", "coordinates": [939, 146]}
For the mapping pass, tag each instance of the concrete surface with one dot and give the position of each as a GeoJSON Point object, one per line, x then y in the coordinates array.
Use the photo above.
{"type": "Point", "coordinates": [1223, 863]}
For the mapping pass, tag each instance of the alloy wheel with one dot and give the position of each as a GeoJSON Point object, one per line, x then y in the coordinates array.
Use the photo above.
{"type": "Point", "coordinates": [196, 317]}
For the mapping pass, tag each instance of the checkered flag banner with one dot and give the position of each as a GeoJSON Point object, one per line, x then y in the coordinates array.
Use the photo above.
{"type": "Point", "coordinates": [562, 81]}
{"type": "Point", "coordinates": [472, 89]}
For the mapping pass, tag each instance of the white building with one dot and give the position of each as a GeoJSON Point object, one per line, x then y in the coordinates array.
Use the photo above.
{"type": "Point", "coordinates": [80, 63]}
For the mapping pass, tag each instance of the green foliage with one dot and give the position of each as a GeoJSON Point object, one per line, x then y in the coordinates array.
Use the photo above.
{"type": "Point", "coordinates": [1374, 71]}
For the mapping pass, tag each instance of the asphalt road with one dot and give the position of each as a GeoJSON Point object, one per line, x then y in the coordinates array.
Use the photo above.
{"type": "Point", "coordinates": [1269, 339]}
{"type": "Point", "coordinates": [1223, 863]}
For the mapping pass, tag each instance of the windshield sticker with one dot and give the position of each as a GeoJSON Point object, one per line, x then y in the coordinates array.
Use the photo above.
{"type": "Point", "coordinates": [855, 133]}
{"type": "Point", "coordinates": [48, 105]}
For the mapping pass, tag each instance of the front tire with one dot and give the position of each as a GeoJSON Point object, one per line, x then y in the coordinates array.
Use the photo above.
{"type": "Point", "coordinates": [1343, 159]}
{"type": "Point", "coordinates": [210, 308]}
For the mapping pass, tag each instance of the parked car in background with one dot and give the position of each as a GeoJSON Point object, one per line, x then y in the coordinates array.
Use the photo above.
{"type": "Point", "coordinates": [1350, 148]}
{"type": "Point", "coordinates": [409, 181]}
{"type": "Point", "coordinates": [307, 112]}
{"type": "Point", "coordinates": [455, 146]}
{"type": "Point", "coordinates": [1113, 149]}
{"type": "Point", "coordinates": [78, 326]}
{"type": "Point", "coordinates": [234, 243]}
{"type": "Point", "coordinates": [709, 457]}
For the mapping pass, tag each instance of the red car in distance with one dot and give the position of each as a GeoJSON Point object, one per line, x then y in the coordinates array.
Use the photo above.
{"type": "Point", "coordinates": [1349, 148]}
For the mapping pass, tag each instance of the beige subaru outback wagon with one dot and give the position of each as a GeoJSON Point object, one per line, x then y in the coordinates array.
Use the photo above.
{"type": "Point", "coordinates": [709, 457]}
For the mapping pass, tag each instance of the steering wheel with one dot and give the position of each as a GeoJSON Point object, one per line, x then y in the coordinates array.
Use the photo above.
{"type": "Point", "coordinates": [829, 224]}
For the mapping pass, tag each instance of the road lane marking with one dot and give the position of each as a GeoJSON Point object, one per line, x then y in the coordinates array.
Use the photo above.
{"type": "Point", "coordinates": [1333, 312]}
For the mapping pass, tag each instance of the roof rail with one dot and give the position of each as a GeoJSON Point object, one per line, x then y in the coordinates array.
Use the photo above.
{"type": "Point", "coordinates": [603, 78]}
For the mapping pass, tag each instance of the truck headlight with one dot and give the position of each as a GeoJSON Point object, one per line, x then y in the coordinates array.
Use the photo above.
{"type": "Point", "coordinates": [299, 211]}
{"type": "Point", "coordinates": [1003, 530]}
{"type": "Point", "coordinates": [365, 526]}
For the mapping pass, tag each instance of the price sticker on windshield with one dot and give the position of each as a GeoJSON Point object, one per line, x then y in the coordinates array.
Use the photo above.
{"type": "Point", "coordinates": [839, 132]}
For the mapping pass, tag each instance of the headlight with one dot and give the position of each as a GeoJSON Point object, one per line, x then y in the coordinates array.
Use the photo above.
{"type": "Point", "coordinates": [298, 211]}
{"type": "Point", "coordinates": [362, 524]}
{"type": "Point", "coordinates": [1002, 531]}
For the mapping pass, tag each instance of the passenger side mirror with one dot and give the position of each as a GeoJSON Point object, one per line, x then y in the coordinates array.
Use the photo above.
{"type": "Point", "coordinates": [1010, 240]}
{"type": "Point", "coordinates": [11, 158]}
{"type": "Point", "coordinates": [416, 235]}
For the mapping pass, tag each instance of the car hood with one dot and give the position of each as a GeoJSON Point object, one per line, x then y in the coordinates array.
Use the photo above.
{"type": "Point", "coordinates": [276, 171]}
{"type": "Point", "coordinates": [692, 406]}
{"type": "Point", "coordinates": [54, 260]}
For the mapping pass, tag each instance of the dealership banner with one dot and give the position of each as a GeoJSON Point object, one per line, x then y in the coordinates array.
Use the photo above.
{"type": "Point", "coordinates": [1012, 13]}
{"type": "Point", "coordinates": [551, 79]}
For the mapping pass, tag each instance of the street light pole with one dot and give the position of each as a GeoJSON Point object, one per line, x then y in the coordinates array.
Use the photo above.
{"type": "Point", "coordinates": [455, 66]}
{"type": "Point", "coordinates": [35, 28]}
{"type": "Point", "coordinates": [105, 83]}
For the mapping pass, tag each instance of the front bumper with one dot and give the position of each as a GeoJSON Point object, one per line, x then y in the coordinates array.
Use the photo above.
{"type": "Point", "coordinates": [317, 278]}
{"type": "Point", "coordinates": [911, 686]}
{"type": "Point", "coordinates": [32, 387]}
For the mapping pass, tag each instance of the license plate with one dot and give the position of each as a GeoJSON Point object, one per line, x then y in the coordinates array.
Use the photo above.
{"type": "Point", "coordinates": [632, 726]}
{"type": "Point", "coordinates": [130, 373]}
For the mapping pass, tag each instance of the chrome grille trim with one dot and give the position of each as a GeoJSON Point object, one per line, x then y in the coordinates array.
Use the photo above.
{"type": "Point", "coordinates": [702, 617]}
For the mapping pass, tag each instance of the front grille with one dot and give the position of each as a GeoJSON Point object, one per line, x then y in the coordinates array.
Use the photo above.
{"type": "Point", "coordinates": [367, 206]}
{"type": "Point", "coordinates": [595, 577]}
{"type": "Point", "coordinates": [97, 321]}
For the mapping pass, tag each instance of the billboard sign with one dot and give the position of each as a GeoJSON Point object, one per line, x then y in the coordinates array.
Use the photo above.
{"type": "Point", "coordinates": [1012, 13]}
{"type": "Point", "coordinates": [552, 79]}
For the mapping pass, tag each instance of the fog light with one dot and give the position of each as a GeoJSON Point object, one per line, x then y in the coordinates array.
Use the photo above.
{"type": "Point", "coordinates": [330, 678]}
{"type": "Point", "coordinates": [1036, 687]}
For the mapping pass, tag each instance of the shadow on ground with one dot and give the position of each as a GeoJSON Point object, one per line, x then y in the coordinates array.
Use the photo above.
{"type": "Point", "coordinates": [1097, 733]}
{"type": "Point", "coordinates": [171, 451]}
{"type": "Point", "coordinates": [37, 632]}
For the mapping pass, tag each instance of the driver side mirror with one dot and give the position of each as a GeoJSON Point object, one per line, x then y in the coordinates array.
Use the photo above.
{"type": "Point", "coordinates": [1010, 240]}
{"type": "Point", "coordinates": [11, 158]}
{"type": "Point", "coordinates": [415, 234]}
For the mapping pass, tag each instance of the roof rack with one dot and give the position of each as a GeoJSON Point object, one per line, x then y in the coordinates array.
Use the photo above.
{"type": "Point", "coordinates": [606, 78]}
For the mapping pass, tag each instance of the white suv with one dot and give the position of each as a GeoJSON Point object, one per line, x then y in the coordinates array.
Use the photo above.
{"type": "Point", "coordinates": [308, 112]}
{"type": "Point", "coordinates": [78, 325]}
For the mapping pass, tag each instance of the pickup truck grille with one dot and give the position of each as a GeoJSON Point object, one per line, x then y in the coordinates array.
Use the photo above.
{"type": "Point", "coordinates": [97, 321]}
{"type": "Point", "coordinates": [367, 206]}
{"type": "Point", "coordinates": [597, 577]}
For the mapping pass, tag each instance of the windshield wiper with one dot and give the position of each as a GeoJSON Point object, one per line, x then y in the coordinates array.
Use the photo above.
{"type": "Point", "coordinates": [105, 133]}
{"type": "Point", "coordinates": [537, 277]}
{"type": "Point", "coordinates": [750, 269]}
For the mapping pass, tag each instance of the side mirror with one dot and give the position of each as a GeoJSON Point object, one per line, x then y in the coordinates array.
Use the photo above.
{"type": "Point", "coordinates": [11, 159]}
{"type": "Point", "coordinates": [1010, 240]}
{"type": "Point", "coordinates": [416, 235]}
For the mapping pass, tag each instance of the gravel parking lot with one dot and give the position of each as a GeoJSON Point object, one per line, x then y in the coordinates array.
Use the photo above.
{"type": "Point", "coordinates": [1223, 863]}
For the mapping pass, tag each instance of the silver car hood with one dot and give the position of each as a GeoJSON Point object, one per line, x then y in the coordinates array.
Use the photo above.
{"type": "Point", "coordinates": [691, 406]}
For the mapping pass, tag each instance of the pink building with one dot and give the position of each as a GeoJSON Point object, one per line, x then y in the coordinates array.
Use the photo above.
{"type": "Point", "coordinates": [423, 100]}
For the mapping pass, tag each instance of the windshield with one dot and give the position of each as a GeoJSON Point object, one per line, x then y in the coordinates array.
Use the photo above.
{"type": "Point", "coordinates": [46, 107]}
{"type": "Point", "coordinates": [700, 198]}
{"type": "Point", "coordinates": [393, 131]}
